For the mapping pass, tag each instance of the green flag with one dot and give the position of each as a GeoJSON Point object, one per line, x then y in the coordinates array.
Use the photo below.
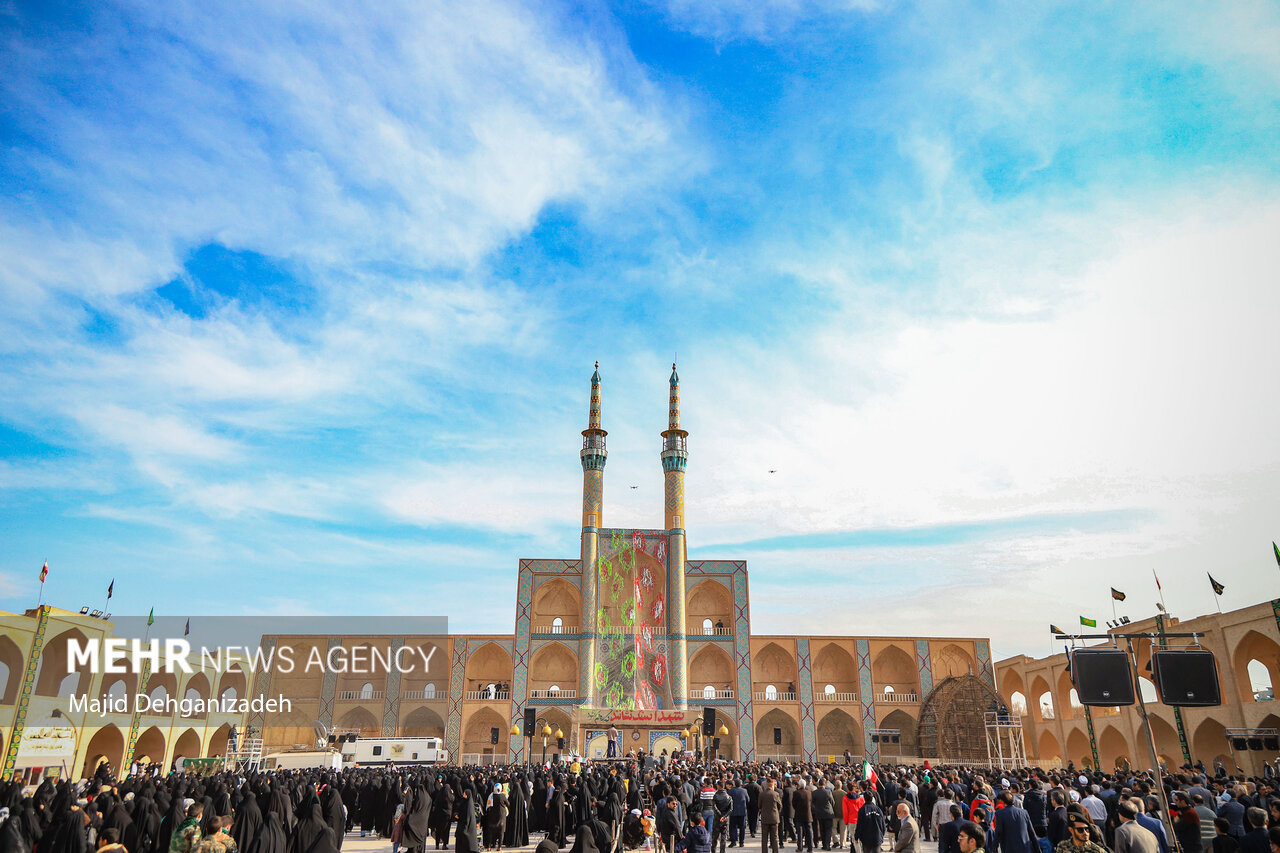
{"type": "Point", "coordinates": [1276, 548]}
{"type": "Point", "coordinates": [1089, 623]}
{"type": "Point", "coordinates": [1054, 629]}
{"type": "Point", "coordinates": [151, 617]}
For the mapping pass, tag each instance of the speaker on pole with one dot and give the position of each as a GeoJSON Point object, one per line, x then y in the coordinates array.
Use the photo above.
{"type": "Point", "coordinates": [493, 735]}
{"type": "Point", "coordinates": [1102, 677]}
{"type": "Point", "coordinates": [708, 721]}
{"type": "Point", "coordinates": [777, 735]}
{"type": "Point", "coordinates": [530, 721]}
{"type": "Point", "coordinates": [1186, 677]}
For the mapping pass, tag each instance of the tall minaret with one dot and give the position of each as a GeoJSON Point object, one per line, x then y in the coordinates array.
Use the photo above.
{"type": "Point", "coordinates": [594, 455]}
{"type": "Point", "coordinates": [675, 455]}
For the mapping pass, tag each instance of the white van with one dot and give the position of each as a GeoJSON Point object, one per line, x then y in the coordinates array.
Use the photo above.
{"type": "Point", "coordinates": [303, 760]}
{"type": "Point", "coordinates": [395, 750]}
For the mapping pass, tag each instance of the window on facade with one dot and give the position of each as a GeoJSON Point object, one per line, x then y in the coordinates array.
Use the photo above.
{"type": "Point", "coordinates": [707, 627]}
{"type": "Point", "coordinates": [829, 690]}
{"type": "Point", "coordinates": [557, 625]}
{"type": "Point", "coordinates": [771, 692]}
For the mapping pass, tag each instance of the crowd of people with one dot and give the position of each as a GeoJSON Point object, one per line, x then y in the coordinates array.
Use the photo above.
{"type": "Point", "coordinates": [674, 806]}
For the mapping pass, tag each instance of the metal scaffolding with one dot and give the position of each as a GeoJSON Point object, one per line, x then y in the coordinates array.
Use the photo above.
{"type": "Point", "coordinates": [1005, 748]}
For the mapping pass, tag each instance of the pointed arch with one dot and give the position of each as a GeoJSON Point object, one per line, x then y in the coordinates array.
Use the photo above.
{"type": "Point", "coordinates": [908, 743]}
{"type": "Point", "coordinates": [708, 601]}
{"type": "Point", "coordinates": [554, 599]}
{"type": "Point", "coordinates": [54, 672]}
{"type": "Point", "coordinates": [477, 733]}
{"type": "Point", "coordinates": [422, 722]}
{"type": "Point", "coordinates": [838, 731]}
{"type": "Point", "coordinates": [775, 665]}
{"type": "Point", "coordinates": [1049, 751]}
{"type": "Point", "coordinates": [1209, 742]}
{"type": "Point", "coordinates": [952, 661]}
{"type": "Point", "coordinates": [1043, 705]}
{"type": "Point", "coordinates": [833, 665]}
{"type": "Point", "coordinates": [1078, 749]}
{"type": "Point", "coordinates": [361, 718]}
{"type": "Point", "coordinates": [1113, 750]}
{"type": "Point", "coordinates": [232, 684]}
{"type": "Point", "coordinates": [107, 744]}
{"type": "Point", "coordinates": [11, 667]}
{"type": "Point", "coordinates": [893, 667]}
{"type": "Point", "coordinates": [218, 741]}
{"type": "Point", "coordinates": [553, 664]}
{"type": "Point", "coordinates": [1011, 682]}
{"type": "Point", "coordinates": [150, 747]}
{"type": "Point", "coordinates": [710, 666]}
{"type": "Point", "coordinates": [187, 745]}
{"type": "Point", "coordinates": [1256, 662]}
{"type": "Point", "coordinates": [489, 664]}
{"type": "Point", "coordinates": [197, 688]}
{"type": "Point", "coordinates": [789, 730]}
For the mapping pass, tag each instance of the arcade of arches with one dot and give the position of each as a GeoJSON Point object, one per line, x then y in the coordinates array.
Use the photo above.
{"type": "Point", "coordinates": [1246, 644]}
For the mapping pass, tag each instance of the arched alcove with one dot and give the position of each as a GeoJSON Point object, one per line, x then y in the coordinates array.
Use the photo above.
{"type": "Point", "coordinates": [553, 664]}
{"type": "Point", "coordinates": [1078, 749]}
{"type": "Point", "coordinates": [10, 671]}
{"type": "Point", "coordinates": [422, 722]}
{"type": "Point", "coordinates": [834, 666]}
{"type": "Point", "coordinates": [107, 744]}
{"type": "Point", "coordinates": [1256, 662]}
{"type": "Point", "coordinates": [952, 661]}
{"type": "Point", "coordinates": [908, 745]}
{"type": "Point", "coordinates": [150, 747]}
{"type": "Point", "coordinates": [774, 665]}
{"type": "Point", "coordinates": [709, 601]}
{"type": "Point", "coordinates": [893, 667]}
{"type": "Point", "coordinates": [711, 665]}
{"type": "Point", "coordinates": [556, 599]}
{"type": "Point", "coordinates": [1044, 705]}
{"type": "Point", "coordinates": [478, 732]}
{"type": "Point", "coordinates": [490, 665]}
{"type": "Point", "coordinates": [1050, 751]}
{"type": "Point", "coordinates": [360, 718]}
{"type": "Point", "coordinates": [838, 731]}
{"type": "Point", "coordinates": [54, 671]}
{"type": "Point", "coordinates": [789, 731]}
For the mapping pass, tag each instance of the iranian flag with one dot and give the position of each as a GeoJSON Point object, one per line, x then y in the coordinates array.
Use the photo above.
{"type": "Point", "coordinates": [868, 772]}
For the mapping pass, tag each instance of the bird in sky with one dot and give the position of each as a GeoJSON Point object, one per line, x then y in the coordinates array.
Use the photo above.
{"type": "Point", "coordinates": [635, 487]}
{"type": "Point", "coordinates": [771, 471]}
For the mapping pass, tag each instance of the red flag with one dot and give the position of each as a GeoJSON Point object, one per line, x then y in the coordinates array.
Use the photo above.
{"type": "Point", "coordinates": [44, 572]}
{"type": "Point", "coordinates": [1157, 577]}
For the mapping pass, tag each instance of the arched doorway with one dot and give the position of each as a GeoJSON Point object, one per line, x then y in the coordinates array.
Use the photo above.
{"type": "Point", "coordinates": [150, 747]}
{"type": "Point", "coordinates": [107, 744]}
{"type": "Point", "coordinates": [1049, 753]}
{"type": "Point", "coordinates": [218, 742]}
{"type": "Point", "coordinates": [187, 745]}
{"type": "Point", "coordinates": [908, 745]}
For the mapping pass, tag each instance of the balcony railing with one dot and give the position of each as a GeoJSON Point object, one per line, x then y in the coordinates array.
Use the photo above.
{"type": "Point", "coordinates": [487, 694]}
{"type": "Point", "coordinates": [774, 697]}
{"type": "Point", "coordinates": [555, 629]}
{"type": "Point", "coordinates": [716, 631]}
{"type": "Point", "coordinates": [422, 694]}
{"type": "Point", "coordinates": [835, 697]}
{"type": "Point", "coordinates": [554, 694]}
{"type": "Point", "coordinates": [716, 694]}
{"type": "Point", "coordinates": [358, 695]}
{"type": "Point", "coordinates": [898, 698]}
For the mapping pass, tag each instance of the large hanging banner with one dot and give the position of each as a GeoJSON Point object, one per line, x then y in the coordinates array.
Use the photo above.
{"type": "Point", "coordinates": [631, 669]}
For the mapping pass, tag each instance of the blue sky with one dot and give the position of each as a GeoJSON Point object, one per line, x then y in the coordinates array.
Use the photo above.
{"type": "Point", "coordinates": [299, 302]}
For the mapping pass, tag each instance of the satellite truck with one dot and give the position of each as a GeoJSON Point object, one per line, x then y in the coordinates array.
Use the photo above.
{"type": "Point", "coordinates": [375, 751]}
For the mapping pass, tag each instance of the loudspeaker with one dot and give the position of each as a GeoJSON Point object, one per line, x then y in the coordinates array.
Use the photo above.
{"type": "Point", "coordinates": [1255, 743]}
{"type": "Point", "coordinates": [715, 743]}
{"type": "Point", "coordinates": [559, 743]}
{"type": "Point", "coordinates": [1271, 743]}
{"type": "Point", "coordinates": [333, 739]}
{"type": "Point", "coordinates": [530, 721]}
{"type": "Point", "coordinates": [351, 738]}
{"type": "Point", "coordinates": [493, 735]}
{"type": "Point", "coordinates": [875, 738]}
{"type": "Point", "coordinates": [777, 735]}
{"type": "Point", "coordinates": [893, 738]}
{"type": "Point", "coordinates": [1186, 677]}
{"type": "Point", "coordinates": [1240, 744]}
{"type": "Point", "coordinates": [1102, 677]}
{"type": "Point", "coordinates": [708, 721]}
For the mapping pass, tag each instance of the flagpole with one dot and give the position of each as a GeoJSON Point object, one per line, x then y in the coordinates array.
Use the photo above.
{"type": "Point", "coordinates": [40, 598]}
{"type": "Point", "coordinates": [1159, 589]}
